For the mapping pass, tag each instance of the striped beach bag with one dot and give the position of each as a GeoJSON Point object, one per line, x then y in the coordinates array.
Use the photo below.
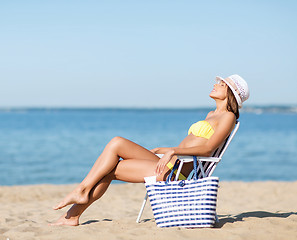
{"type": "Point", "coordinates": [187, 203]}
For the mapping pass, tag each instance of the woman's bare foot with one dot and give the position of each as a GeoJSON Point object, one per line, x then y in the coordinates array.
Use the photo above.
{"type": "Point", "coordinates": [66, 220]}
{"type": "Point", "coordinates": [78, 196]}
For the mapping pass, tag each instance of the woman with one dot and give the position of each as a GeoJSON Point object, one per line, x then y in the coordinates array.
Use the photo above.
{"type": "Point", "coordinates": [203, 138]}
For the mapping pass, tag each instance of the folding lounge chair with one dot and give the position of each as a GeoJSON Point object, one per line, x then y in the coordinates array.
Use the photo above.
{"type": "Point", "coordinates": [206, 165]}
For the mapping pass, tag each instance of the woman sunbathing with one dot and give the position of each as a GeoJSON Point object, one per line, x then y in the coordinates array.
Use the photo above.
{"type": "Point", "coordinates": [137, 162]}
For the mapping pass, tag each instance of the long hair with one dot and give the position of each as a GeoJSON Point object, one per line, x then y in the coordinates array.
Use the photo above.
{"type": "Point", "coordinates": [232, 105]}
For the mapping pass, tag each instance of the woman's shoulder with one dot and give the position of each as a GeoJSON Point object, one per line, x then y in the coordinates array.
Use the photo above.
{"type": "Point", "coordinates": [227, 118]}
{"type": "Point", "coordinates": [229, 115]}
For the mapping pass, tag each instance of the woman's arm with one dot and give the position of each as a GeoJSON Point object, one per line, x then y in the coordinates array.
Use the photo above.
{"type": "Point", "coordinates": [160, 150]}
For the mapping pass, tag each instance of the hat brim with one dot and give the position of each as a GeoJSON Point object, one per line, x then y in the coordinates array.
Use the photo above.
{"type": "Point", "coordinates": [239, 102]}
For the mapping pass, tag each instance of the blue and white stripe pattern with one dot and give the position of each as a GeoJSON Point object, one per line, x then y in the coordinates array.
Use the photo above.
{"type": "Point", "coordinates": [187, 203]}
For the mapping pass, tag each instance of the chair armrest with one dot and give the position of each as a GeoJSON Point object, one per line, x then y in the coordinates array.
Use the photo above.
{"type": "Point", "coordinates": [209, 159]}
{"type": "Point", "coordinates": [187, 158]}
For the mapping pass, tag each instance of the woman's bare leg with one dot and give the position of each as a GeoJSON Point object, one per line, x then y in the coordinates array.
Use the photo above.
{"type": "Point", "coordinates": [127, 170]}
{"type": "Point", "coordinates": [71, 218]}
{"type": "Point", "coordinates": [107, 161]}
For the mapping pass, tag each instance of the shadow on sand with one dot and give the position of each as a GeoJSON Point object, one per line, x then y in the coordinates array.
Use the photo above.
{"type": "Point", "coordinates": [95, 221]}
{"type": "Point", "coordinates": [223, 219]}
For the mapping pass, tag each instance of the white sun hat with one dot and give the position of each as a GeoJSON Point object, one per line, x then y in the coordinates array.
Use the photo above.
{"type": "Point", "coordinates": [238, 86]}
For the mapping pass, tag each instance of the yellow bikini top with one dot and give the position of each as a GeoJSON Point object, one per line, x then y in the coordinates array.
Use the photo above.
{"type": "Point", "coordinates": [201, 129]}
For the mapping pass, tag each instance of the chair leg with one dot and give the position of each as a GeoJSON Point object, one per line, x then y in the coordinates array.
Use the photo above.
{"type": "Point", "coordinates": [142, 208]}
{"type": "Point", "coordinates": [217, 219]}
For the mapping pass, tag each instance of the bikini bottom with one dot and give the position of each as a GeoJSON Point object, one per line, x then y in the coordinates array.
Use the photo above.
{"type": "Point", "coordinates": [181, 176]}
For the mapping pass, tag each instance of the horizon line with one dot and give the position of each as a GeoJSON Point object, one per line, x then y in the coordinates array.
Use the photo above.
{"type": "Point", "coordinates": [292, 107]}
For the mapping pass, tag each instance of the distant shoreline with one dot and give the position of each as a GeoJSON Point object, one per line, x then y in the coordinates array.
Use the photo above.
{"type": "Point", "coordinates": [247, 109]}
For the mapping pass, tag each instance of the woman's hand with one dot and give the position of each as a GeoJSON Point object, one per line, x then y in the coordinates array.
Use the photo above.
{"type": "Point", "coordinates": [163, 162]}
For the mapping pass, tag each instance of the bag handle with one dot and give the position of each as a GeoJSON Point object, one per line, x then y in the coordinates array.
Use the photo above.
{"type": "Point", "coordinates": [176, 164]}
{"type": "Point", "coordinates": [195, 168]}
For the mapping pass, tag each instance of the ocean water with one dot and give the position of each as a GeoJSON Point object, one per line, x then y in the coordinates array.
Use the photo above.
{"type": "Point", "coordinates": [59, 146]}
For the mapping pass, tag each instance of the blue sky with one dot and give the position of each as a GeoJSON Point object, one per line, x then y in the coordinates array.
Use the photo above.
{"type": "Point", "coordinates": [144, 53]}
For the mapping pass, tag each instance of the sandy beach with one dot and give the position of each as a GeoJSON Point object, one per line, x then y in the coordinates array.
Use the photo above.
{"type": "Point", "coordinates": [257, 210]}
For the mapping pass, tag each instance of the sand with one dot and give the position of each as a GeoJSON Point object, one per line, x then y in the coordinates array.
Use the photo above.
{"type": "Point", "coordinates": [257, 210]}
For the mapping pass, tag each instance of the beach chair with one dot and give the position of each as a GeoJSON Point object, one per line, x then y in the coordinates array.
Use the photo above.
{"type": "Point", "coordinates": [206, 165]}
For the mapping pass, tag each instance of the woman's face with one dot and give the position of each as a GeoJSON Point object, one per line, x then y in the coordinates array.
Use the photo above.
{"type": "Point", "coordinates": [219, 90]}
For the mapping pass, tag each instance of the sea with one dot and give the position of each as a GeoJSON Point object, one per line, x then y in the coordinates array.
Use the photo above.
{"type": "Point", "coordinates": [60, 145]}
